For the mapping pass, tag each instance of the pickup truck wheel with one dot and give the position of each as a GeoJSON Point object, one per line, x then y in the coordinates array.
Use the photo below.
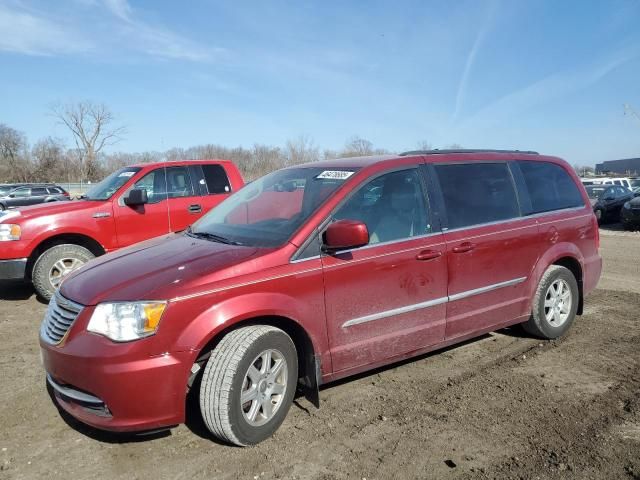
{"type": "Point", "coordinates": [55, 264]}
{"type": "Point", "coordinates": [248, 384]}
{"type": "Point", "coordinates": [554, 305]}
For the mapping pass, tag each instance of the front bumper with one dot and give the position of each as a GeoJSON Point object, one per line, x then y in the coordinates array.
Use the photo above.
{"type": "Point", "coordinates": [13, 269]}
{"type": "Point", "coordinates": [630, 216]}
{"type": "Point", "coordinates": [116, 386]}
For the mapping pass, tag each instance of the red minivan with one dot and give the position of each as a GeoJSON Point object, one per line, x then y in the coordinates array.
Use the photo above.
{"type": "Point", "coordinates": [316, 272]}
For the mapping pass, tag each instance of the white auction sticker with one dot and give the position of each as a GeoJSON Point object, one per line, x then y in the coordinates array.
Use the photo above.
{"type": "Point", "coordinates": [126, 174]}
{"type": "Point", "coordinates": [335, 174]}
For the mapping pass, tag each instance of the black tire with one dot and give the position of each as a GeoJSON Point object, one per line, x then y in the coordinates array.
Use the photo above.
{"type": "Point", "coordinates": [538, 324]}
{"type": "Point", "coordinates": [226, 374]}
{"type": "Point", "coordinates": [599, 215]}
{"type": "Point", "coordinates": [45, 264]}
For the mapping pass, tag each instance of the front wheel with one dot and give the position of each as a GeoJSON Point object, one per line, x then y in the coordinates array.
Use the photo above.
{"type": "Point", "coordinates": [248, 384]}
{"type": "Point", "coordinates": [554, 305]}
{"type": "Point", "coordinates": [599, 215]}
{"type": "Point", "coordinates": [55, 264]}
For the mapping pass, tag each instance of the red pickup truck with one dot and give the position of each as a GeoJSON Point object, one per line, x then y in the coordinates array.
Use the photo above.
{"type": "Point", "coordinates": [44, 243]}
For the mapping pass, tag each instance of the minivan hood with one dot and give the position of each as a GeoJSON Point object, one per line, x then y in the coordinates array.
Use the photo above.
{"type": "Point", "coordinates": [153, 270]}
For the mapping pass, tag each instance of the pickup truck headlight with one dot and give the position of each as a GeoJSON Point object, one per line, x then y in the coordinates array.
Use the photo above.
{"type": "Point", "coordinates": [124, 322]}
{"type": "Point", "coordinates": [9, 231]}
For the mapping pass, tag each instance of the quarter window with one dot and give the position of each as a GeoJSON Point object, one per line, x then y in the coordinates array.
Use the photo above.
{"type": "Point", "coordinates": [392, 206]}
{"type": "Point", "coordinates": [550, 187]}
{"type": "Point", "coordinates": [216, 178]}
{"type": "Point", "coordinates": [476, 193]}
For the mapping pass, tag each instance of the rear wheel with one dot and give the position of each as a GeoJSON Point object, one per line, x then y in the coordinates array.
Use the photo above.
{"type": "Point", "coordinates": [55, 264]}
{"type": "Point", "coordinates": [248, 384]}
{"type": "Point", "coordinates": [555, 304]}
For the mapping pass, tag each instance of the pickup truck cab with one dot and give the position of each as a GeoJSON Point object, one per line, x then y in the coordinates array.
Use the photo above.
{"type": "Point", "coordinates": [44, 243]}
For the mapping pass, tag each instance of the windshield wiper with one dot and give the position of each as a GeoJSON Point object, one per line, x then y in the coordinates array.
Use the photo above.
{"type": "Point", "coordinates": [211, 236]}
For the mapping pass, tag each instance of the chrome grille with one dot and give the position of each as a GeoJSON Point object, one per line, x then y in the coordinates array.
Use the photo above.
{"type": "Point", "coordinates": [60, 315]}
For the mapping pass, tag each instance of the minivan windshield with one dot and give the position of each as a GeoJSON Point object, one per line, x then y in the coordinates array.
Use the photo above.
{"type": "Point", "coordinates": [110, 185]}
{"type": "Point", "coordinates": [265, 213]}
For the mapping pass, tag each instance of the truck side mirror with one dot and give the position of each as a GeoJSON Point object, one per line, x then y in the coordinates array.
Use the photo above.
{"type": "Point", "coordinates": [137, 196]}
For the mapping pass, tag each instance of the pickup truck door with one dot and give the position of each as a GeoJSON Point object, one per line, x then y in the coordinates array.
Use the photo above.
{"type": "Point", "coordinates": [185, 202]}
{"type": "Point", "coordinates": [137, 223]}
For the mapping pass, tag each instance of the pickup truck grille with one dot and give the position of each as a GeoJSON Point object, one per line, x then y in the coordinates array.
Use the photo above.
{"type": "Point", "coordinates": [59, 317]}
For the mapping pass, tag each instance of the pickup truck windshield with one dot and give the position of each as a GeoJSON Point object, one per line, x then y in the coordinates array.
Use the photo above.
{"type": "Point", "coordinates": [265, 213]}
{"type": "Point", "coordinates": [110, 185]}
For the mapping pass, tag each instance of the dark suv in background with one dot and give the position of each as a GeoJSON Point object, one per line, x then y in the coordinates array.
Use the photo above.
{"type": "Point", "coordinates": [20, 195]}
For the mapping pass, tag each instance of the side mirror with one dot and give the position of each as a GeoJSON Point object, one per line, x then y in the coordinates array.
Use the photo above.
{"type": "Point", "coordinates": [12, 195]}
{"type": "Point", "coordinates": [345, 234]}
{"type": "Point", "coordinates": [137, 196]}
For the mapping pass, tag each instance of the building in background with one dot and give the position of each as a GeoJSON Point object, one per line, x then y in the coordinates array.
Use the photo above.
{"type": "Point", "coordinates": [626, 166]}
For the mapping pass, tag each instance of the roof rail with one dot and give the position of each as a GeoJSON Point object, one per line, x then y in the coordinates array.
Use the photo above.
{"type": "Point", "coordinates": [465, 150]}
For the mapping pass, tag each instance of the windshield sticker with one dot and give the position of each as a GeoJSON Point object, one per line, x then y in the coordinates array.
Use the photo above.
{"type": "Point", "coordinates": [335, 174]}
{"type": "Point", "coordinates": [126, 174]}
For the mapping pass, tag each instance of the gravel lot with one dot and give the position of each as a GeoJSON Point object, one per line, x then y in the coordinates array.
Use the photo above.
{"type": "Point", "coordinates": [503, 406]}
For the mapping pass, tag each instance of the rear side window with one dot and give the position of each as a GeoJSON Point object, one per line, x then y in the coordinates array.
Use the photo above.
{"type": "Point", "coordinates": [216, 178]}
{"type": "Point", "coordinates": [39, 191]}
{"type": "Point", "coordinates": [476, 193]}
{"type": "Point", "coordinates": [550, 187]}
{"type": "Point", "coordinates": [179, 182]}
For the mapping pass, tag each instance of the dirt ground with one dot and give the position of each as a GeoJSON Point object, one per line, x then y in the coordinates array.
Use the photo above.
{"type": "Point", "coordinates": [503, 406]}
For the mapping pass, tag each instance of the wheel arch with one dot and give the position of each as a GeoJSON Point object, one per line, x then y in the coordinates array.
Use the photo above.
{"type": "Point", "coordinates": [575, 267]}
{"type": "Point", "coordinates": [60, 239]}
{"type": "Point", "coordinates": [309, 377]}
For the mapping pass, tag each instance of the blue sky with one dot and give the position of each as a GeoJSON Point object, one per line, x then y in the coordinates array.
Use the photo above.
{"type": "Point", "coordinates": [546, 75]}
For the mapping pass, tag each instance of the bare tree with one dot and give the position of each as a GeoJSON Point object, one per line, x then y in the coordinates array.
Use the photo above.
{"type": "Point", "coordinates": [357, 146]}
{"type": "Point", "coordinates": [49, 160]}
{"type": "Point", "coordinates": [301, 150]}
{"type": "Point", "coordinates": [14, 161]}
{"type": "Point", "coordinates": [92, 127]}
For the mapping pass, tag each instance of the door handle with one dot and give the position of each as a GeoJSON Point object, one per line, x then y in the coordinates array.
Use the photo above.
{"type": "Point", "coordinates": [463, 247]}
{"type": "Point", "coordinates": [428, 255]}
{"type": "Point", "coordinates": [195, 208]}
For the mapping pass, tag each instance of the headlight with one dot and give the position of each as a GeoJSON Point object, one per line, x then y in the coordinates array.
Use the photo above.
{"type": "Point", "coordinates": [123, 322]}
{"type": "Point", "coordinates": [9, 231]}
{"type": "Point", "coordinates": [627, 205]}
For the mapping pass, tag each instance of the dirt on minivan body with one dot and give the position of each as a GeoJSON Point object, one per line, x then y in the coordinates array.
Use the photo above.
{"type": "Point", "coordinates": [502, 406]}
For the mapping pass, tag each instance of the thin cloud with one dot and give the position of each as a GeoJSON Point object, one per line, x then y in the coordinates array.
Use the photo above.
{"type": "Point", "coordinates": [549, 88]}
{"type": "Point", "coordinates": [30, 34]}
{"type": "Point", "coordinates": [158, 41]}
{"type": "Point", "coordinates": [464, 79]}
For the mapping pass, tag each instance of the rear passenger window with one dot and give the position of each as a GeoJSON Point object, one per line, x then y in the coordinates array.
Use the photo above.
{"type": "Point", "coordinates": [216, 178]}
{"type": "Point", "coordinates": [39, 192]}
{"type": "Point", "coordinates": [476, 193]}
{"type": "Point", "coordinates": [550, 187]}
{"type": "Point", "coordinates": [179, 182]}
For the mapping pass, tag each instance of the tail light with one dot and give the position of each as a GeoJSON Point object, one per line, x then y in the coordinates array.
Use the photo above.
{"type": "Point", "coordinates": [597, 232]}
{"type": "Point", "coordinates": [66, 194]}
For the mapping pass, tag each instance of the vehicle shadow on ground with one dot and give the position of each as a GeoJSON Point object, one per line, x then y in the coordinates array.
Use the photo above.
{"type": "Point", "coordinates": [17, 291]}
